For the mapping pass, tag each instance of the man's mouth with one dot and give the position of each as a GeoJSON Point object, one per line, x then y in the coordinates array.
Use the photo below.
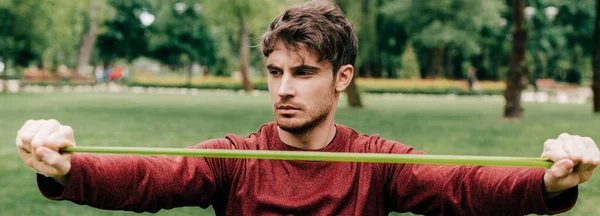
{"type": "Point", "coordinates": [287, 107]}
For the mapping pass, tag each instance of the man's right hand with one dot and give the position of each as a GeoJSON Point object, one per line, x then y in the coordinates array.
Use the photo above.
{"type": "Point", "coordinates": [39, 142]}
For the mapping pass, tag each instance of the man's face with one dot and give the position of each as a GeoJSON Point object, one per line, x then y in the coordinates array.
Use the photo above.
{"type": "Point", "coordinates": [302, 89]}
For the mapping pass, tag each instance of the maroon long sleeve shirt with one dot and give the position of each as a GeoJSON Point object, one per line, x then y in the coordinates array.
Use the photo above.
{"type": "Point", "coordinates": [272, 187]}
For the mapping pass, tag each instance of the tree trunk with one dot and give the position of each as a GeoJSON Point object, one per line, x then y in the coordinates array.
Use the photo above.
{"type": "Point", "coordinates": [263, 72]}
{"type": "Point", "coordinates": [516, 80]}
{"type": "Point", "coordinates": [448, 68]}
{"type": "Point", "coordinates": [353, 95]}
{"type": "Point", "coordinates": [377, 73]}
{"type": "Point", "coordinates": [365, 70]}
{"type": "Point", "coordinates": [457, 70]}
{"type": "Point", "coordinates": [377, 62]}
{"type": "Point", "coordinates": [244, 53]}
{"type": "Point", "coordinates": [87, 45]}
{"type": "Point", "coordinates": [352, 92]}
{"type": "Point", "coordinates": [537, 73]}
{"type": "Point", "coordinates": [4, 78]}
{"type": "Point", "coordinates": [3, 82]}
{"type": "Point", "coordinates": [391, 73]}
{"type": "Point", "coordinates": [188, 77]}
{"type": "Point", "coordinates": [596, 61]}
{"type": "Point", "coordinates": [438, 61]}
{"type": "Point", "coordinates": [424, 55]}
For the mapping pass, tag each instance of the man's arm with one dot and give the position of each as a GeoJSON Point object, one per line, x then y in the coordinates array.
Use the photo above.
{"type": "Point", "coordinates": [468, 190]}
{"type": "Point", "coordinates": [123, 182]}
{"type": "Point", "coordinates": [434, 189]}
{"type": "Point", "coordinates": [137, 183]}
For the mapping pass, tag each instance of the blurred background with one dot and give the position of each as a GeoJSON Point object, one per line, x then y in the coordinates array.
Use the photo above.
{"type": "Point", "coordinates": [437, 47]}
{"type": "Point", "coordinates": [477, 77]}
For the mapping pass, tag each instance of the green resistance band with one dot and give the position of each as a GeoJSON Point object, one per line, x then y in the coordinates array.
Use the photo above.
{"type": "Point", "coordinates": [324, 156]}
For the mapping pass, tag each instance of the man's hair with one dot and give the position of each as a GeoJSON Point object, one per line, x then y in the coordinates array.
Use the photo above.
{"type": "Point", "coordinates": [318, 26]}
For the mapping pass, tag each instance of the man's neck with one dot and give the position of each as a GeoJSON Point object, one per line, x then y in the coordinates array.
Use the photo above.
{"type": "Point", "coordinates": [316, 138]}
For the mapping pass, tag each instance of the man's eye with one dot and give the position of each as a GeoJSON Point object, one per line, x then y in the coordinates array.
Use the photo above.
{"type": "Point", "coordinates": [302, 73]}
{"type": "Point", "coordinates": [274, 72]}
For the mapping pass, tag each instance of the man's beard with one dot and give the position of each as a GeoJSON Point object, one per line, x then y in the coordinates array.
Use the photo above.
{"type": "Point", "coordinates": [318, 115]}
{"type": "Point", "coordinates": [303, 127]}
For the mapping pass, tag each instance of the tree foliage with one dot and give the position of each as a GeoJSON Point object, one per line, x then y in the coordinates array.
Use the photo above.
{"type": "Point", "coordinates": [446, 35]}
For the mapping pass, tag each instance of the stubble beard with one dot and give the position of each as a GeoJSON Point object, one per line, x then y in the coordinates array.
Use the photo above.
{"type": "Point", "coordinates": [316, 116]}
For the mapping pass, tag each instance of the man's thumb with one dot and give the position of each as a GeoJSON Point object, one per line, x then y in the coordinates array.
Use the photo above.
{"type": "Point", "coordinates": [54, 160]}
{"type": "Point", "coordinates": [562, 168]}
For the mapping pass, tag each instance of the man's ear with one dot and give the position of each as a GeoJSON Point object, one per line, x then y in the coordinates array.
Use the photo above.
{"type": "Point", "coordinates": [343, 77]}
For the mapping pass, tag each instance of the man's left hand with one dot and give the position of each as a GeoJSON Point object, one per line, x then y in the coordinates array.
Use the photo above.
{"type": "Point", "coordinates": [575, 159]}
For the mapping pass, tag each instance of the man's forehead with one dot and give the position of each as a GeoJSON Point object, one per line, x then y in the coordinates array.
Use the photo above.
{"type": "Point", "coordinates": [294, 56]}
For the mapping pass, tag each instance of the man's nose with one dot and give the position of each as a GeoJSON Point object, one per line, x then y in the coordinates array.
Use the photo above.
{"type": "Point", "coordinates": [287, 88]}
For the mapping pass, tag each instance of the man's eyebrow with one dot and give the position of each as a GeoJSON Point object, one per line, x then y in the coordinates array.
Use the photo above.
{"type": "Point", "coordinates": [306, 68]}
{"type": "Point", "coordinates": [272, 67]}
{"type": "Point", "coordinates": [296, 68]}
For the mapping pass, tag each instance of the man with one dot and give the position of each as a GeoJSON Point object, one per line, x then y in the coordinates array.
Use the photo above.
{"type": "Point", "coordinates": [310, 51]}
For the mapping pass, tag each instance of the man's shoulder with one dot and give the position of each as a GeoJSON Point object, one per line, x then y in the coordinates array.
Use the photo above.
{"type": "Point", "coordinates": [374, 143]}
{"type": "Point", "coordinates": [234, 141]}
{"type": "Point", "coordinates": [254, 141]}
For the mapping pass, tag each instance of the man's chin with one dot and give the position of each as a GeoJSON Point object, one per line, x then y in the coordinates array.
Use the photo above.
{"type": "Point", "coordinates": [295, 124]}
{"type": "Point", "coordinates": [292, 125]}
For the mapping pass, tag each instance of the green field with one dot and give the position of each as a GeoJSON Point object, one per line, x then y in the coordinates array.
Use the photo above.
{"type": "Point", "coordinates": [438, 125]}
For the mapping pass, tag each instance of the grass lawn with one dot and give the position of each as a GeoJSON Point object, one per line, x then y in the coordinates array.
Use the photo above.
{"type": "Point", "coordinates": [438, 125]}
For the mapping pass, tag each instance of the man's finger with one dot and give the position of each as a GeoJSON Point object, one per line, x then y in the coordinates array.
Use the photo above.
{"type": "Point", "coordinates": [564, 137]}
{"type": "Point", "coordinates": [26, 134]}
{"type": "Point", "coordinates": [562, 168]}
{"type": "Point", "coordinates": [24, 142]}
{"type": "Point", "coordinates": [593, 148]}
{"type": "Point", "coordinates": [587, 161]}
{"type": "Point", "coordinates": [55, 160]}
{"type": "Point", "coordinates": [21, 145]}
{"type": "Point", "coordinates": [574, 149]}
{"type": "Point", "coordinates": [554, 151]}
{"type": "Point", "coordinates": [61, 138]}
{"type": "Point", "coordinates": [28, 127]}
{"type": "Point", "coordinates": [52, 162]}
{"type": "Point", "coordinates": [45, 130]}
{"type": "Point", "coordinates": [592, 152]}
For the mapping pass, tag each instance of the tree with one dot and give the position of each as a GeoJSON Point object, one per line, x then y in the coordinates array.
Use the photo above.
{"type": "Point", "coordinates": [240, 26]}
{"type": "Point", "coordinates": [242, 11]}
{"type": "Point", "coordinates": [351, 91]}
{"type": "Point", "coordinates": [517, 75]}
{"type": "Point", "coordinates": [596, 61]}
{"type": "Point", "coordinates": [410, 64]}
{"type": "Point", "coordinates": [7, 42]}
{"type": "Point", "coordinates": [440, 27]}
{"type": "Point", "coordinates": [89, 40]}
{"type": "Point", "coordinates": [382, 38]}
{"type": "Point", "coordinates": [369, 56]}
{"type": "Point", "coordinates": [42, 32]}
{"type": "Point", "coordinates": [124, 35]}
{"type": "Point", "coordinates": [181, 38]}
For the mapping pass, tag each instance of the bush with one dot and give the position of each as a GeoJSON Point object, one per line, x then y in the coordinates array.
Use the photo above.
{"type": "Point", "coordinates": [366, 85]}
{"type": "Point", "coordinates": [410, 64]}
{"type": "Point", "coordinates": [376, 86]}
{"type": "Point", "coordinates": [573, 76]}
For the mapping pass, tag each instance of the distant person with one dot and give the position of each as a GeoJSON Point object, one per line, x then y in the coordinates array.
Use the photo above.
{"type": "Point", "coordinates": [472, 79]}
{"type": "Point", "coordinates": [125, 72]}
{"type": "Point", "coordinates": [99, 74]}
{"type": "Point", "coordinates": [310, 51]}
{"type": "Point", "coordinates": [107, 72]}
{"type": "Point", "coordinates": [116, 74]}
